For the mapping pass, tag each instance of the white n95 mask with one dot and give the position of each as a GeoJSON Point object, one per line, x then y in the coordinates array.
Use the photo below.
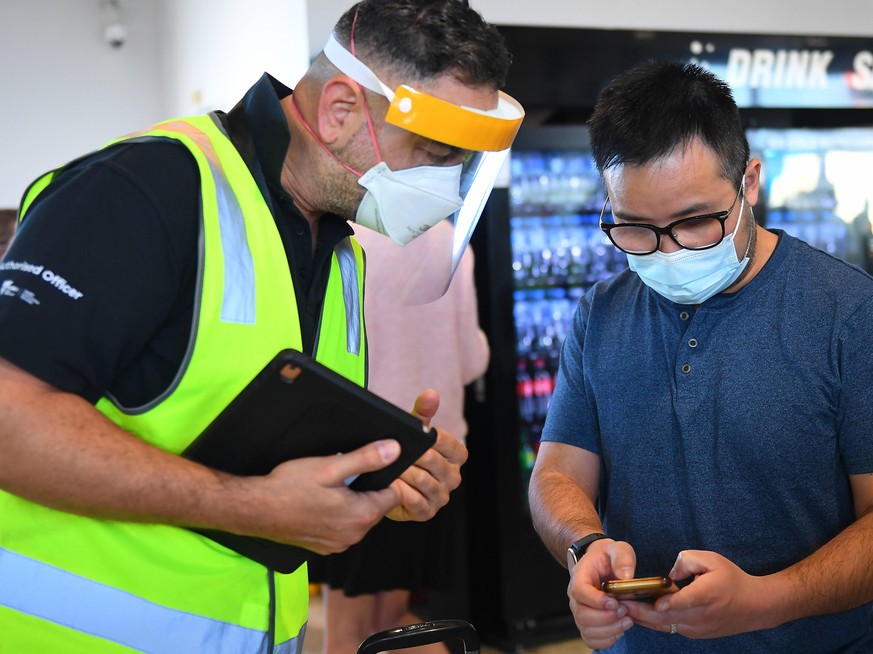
{"type": "Point", "coordinates": [404, 204]}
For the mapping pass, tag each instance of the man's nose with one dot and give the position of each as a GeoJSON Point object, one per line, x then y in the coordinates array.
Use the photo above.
{"type": "Point", "coordinates": [668, 245]}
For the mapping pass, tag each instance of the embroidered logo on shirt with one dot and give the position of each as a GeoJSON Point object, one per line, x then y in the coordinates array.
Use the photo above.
{"type": "Point", "coordinates": [53, 279]}
{"type": "Point", "coordinates": [9, 289]}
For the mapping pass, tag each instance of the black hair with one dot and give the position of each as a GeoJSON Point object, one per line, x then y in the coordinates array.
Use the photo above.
{"type": "Point", "coordinates": [424, 39]}
{"type": "Point", "coordinates": [651, 109]}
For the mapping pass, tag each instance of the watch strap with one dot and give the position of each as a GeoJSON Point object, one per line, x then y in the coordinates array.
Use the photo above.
{"type": "Point", "coordinates": [577, 550]}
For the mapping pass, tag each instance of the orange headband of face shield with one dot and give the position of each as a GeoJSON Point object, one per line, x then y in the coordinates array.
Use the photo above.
{"type": "Point", "coordinates": [462, 127]}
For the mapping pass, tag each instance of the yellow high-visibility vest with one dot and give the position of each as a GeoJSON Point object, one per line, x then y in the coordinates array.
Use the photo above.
{"type": "Point", "coordinates": [74, 584]}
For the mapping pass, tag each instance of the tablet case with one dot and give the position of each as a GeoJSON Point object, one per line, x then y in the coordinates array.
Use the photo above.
{"type": "Point", "coordinates": [296, 407]}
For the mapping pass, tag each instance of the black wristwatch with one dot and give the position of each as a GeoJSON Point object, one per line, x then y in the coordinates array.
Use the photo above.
{"type": "Point", "coordinates": [577, 549]}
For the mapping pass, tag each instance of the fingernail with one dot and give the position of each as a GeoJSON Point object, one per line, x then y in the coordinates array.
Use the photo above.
{"type": "Point", "coordinates": [622, 611]}
{"type": "Point", "coordinates": [388, 450]}
{"type": "Point", "coordinates": [627, 624]}
{"type": "Point", "coordinates": [612, 604]}
{"type": "Point", "coordinates": [625, 573]}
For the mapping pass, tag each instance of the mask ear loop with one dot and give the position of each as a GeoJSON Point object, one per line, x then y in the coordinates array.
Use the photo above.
{"type": "Point", "coordinates": [366, 106]}
{"type": "Point", "coordinates": [740, 218]}
{"type": "Point", "coordinates": [319, 141]}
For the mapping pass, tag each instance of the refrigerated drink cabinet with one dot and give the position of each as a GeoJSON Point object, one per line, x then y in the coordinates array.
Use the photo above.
{"type": "Point", "coordinates": [538, 248]}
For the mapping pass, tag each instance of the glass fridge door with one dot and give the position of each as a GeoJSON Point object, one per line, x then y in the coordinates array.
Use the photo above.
{"type": "Point", "coordinates": [558, 252]}
{"type": "Point", "coordinates": [816, 186]}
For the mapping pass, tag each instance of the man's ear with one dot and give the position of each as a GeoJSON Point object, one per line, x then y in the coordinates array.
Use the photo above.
{"type": "Point", "coordinates": [752, 181]}
{"type": "Point", "coordinates": [340, 110]}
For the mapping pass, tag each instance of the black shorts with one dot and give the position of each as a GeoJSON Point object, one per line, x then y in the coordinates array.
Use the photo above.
{"type": "Point", "coordinates": [394, 555]}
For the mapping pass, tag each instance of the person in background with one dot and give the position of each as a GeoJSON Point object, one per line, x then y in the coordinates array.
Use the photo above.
{"type": "Point", "coordinates": [150, 281]}
{"type": "Point", "coordinates": [367, 589]}
{"type": "Point", "coordinates": [8, 218]}
{"type": "Point", "coordinates": [712, 413]}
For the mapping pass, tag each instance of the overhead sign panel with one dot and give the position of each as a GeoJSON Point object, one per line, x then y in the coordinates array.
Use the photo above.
{"type": "Point", "coordinates": [568, 67]}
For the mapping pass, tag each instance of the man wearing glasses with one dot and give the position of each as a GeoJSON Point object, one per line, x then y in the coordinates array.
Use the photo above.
{"type": "Point", "coordinates": [712, 414]}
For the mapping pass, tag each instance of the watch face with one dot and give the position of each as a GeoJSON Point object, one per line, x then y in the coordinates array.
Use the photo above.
{"type": "Point", "coordinates": [571, 558]}
{"type": "Point", "coordinates": [578, 549]}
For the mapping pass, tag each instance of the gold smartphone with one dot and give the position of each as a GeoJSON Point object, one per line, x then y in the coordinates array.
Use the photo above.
{"type": "Point", "coordinates": [645, 589]}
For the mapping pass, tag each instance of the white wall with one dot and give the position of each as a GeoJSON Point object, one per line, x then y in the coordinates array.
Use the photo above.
{"type": "Point", "coordinates": [65, 91]}
{"type": "Point", "coordinates": [804, 17]}
{"type": "Point", "coordinates": [213, 50]}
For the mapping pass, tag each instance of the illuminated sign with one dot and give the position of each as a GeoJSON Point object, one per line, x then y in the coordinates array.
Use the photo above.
{"type": "Point", "coordinates": [567, 67]}
{"type": "Point", "coordinates": [837, 76]}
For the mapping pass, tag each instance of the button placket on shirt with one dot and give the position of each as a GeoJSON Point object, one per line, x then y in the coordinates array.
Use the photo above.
{"type": "Point", "coordinates": [689, 378]}
{"type": "Point", "coordinates": [691, 342]}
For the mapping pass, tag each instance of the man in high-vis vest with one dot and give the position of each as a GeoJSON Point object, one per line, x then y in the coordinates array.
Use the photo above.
{"type": "Point", "coordinates": [149, 281]}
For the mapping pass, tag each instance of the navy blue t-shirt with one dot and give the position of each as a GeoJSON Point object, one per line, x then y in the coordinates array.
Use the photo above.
{"type": "Point", "coordinates": [731, 427]}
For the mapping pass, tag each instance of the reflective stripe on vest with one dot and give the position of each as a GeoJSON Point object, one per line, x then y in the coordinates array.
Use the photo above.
{"type": "Point", "coordinates": [349, 271]}
{"type": "Point", "coordinates": [238, 303]}
{"type": "Point", "coordinates": [50, 593]}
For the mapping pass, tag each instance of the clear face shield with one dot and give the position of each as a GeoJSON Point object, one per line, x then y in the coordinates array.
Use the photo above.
{"type": "Point", "coordinates": [427, 214]}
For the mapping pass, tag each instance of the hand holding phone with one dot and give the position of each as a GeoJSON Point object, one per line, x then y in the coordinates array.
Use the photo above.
{"type": "Point", "coordinates": [645, 589]}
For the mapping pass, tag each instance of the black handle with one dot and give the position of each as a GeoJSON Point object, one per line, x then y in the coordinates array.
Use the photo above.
{"type": "Point", "coordinates": [423, 633]}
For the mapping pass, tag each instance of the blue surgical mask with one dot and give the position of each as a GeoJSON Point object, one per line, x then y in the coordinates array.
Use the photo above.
{"type": "Point", "coordinates": [692, 276]}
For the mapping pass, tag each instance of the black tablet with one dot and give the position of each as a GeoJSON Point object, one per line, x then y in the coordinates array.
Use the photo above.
{"type": "Point", "coordinates": [296, 407]}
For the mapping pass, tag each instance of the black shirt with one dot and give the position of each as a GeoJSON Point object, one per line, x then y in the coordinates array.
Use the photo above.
{"type": "Point", "coordinates": [97, 288]}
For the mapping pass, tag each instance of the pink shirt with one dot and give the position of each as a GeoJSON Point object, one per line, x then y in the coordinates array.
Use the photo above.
{"type": "Point", "coordinates": [413, 348]}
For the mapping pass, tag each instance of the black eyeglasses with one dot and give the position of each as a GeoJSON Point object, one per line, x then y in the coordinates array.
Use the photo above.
{"type": "Point", "coordinates": [693, 233]}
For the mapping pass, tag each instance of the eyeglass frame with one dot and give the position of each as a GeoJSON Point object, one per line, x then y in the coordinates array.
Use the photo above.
{"type": "Point", "coordinates": [720, 216]}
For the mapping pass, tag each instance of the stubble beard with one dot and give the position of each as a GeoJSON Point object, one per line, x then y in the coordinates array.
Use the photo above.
{"type": "Point", "coordinates": [752, 244]}
{"type": "Point", "coordinates": [341, 193]}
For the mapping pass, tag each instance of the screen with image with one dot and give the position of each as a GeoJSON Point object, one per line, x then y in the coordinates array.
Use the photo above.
{"type": "Point", "coordinates": [818, 185]}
